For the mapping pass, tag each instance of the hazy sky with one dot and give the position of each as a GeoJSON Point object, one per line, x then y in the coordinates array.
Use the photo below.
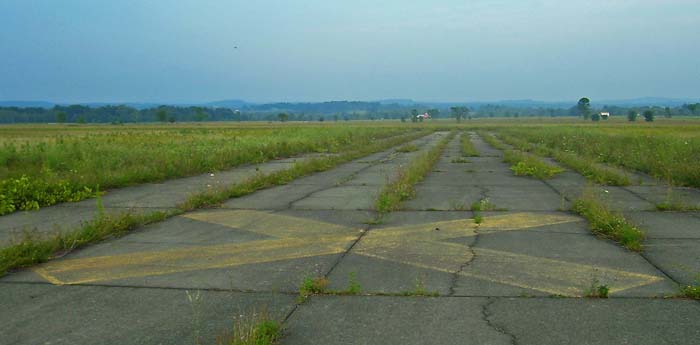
{"type": "Point", "coordinates": [314, 50]}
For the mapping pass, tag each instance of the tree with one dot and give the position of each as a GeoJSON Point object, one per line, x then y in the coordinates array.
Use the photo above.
{"type": "Point", "coordinates": [162, 115]}
{"type": "Point", "coordinates": [667, 112]}
{"type": "Point", "coordinates": [649, 116]}
{"type": "Point", "coordinates": [632, 116]}
{"type": "Point", "coordinates": [81, 119]}
{"type": "Point", "coordinates": [61, 117]}
{"type": "Point", "coordinates": [200, 115]}
{"type": "Point", "coordinates": [321, 119]}
{"type": "Point", "coordinates": [283, 117]}
{"type": "Point", "coordinates": [414, 115]}
{"type": "Point", "coordinates": [595, 117]}
{"type": "Point", "coordinates": [459, 112]}
{"type": "Point", "coordinates": [693, 107]}
{"type": "Point", "coordinates": [584, 107]}
{"type": "Point", "coordinates": [172, 119]}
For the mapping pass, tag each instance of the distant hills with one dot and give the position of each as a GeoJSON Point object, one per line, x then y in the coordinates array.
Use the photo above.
{"type": "Point", "coordinates": [241, 104]}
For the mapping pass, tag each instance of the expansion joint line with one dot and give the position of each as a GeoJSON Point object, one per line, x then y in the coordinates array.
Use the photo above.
{"type": "Point", "coordinates": [486, 316]}
{"type": "Point", "coordinates": [331, 269]}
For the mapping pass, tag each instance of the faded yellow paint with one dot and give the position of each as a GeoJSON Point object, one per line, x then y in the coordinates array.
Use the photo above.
{"type": "Point", "coordinates": [419, 245]}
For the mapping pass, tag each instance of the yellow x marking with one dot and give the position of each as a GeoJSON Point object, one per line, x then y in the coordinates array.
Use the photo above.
{"type": "Point", "coordinates": [419, 245]}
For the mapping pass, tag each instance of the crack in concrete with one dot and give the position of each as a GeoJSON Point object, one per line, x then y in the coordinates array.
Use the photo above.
{"type": "Point", "coordinates": [455, 275]}
{"type": "Point", "coordinates": [486, 316]}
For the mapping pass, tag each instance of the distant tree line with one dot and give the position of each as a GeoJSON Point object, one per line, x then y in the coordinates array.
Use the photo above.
{"type": "Point", "coordinates": [326, 111]}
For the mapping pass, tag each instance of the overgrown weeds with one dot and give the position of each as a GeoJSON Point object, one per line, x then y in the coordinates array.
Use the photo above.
{"type": "Point", "coordinates": [483, 205]}
{"type": "Point", "coordinates": [524, 164]}
{"type": "Point", "coordinates": [402, 187]}
{"type": "Point", "coordinates": [419, 290]}
{"type": "Point", "coordinates": [66, 166]}
{"type": "Point", "coordinates": [34, 249]}
{"type": "Point", "coordinates": [319, 286]}
{"type": "Point", "coordinates": [691, 291]}
{"type": "Point", "coordinates": [607, 223]}
{"type": "Point", "coordinates": [312, 286]}
{"type": "Point", "coordinates": [407, 148]}
{"type": "Point", "coordinates": [468, 149]}
{"type": "Point", "coordinates": [492, 140]}
{"type": "Point", "coordinates": [254, 328]}
{"type": "Point", "coordinates": [597, 290]}
{"type": "Point", "coordinates": [303, 168]}
{"type": "Point", "coordinates": [586, 166]}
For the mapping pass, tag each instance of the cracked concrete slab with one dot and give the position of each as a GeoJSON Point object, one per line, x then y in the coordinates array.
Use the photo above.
{"type": "Point", "coordinates": [544, 321]}
{"type": "Point", "coordinates": [256, 250]}
{"type": "Point", "coordinates": [392, 320]}
{"type": "Point", "coordinates": [561, 258]}
{"type": "Point", "coordinates": [46, 314]}
{"type": "Point", "coordinates": [214, 249]}
{"type": "Point", "coordinates": [142, 198]}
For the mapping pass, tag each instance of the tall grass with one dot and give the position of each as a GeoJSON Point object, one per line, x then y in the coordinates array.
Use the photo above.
{"type": "Point", "coordinates": [34, 249]}
{"type": "Point", "coordinates": [669, 153]}
{"type": "Point", "coordinates": [67, 166]}
{"type": "Point", "coordinates": [586, 166]}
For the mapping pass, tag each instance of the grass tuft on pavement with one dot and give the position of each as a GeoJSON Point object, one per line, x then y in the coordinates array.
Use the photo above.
{"type": "Point", "coordinates": [607, 223]}
{"type": "Point", "coordinates": [401, 188]}
{"type": "Point", "coordinates": [524, 164]}
{"type": "Point", "coordinates": [468, 149]}
{"type": "Point", "coordinates": [257, 328]}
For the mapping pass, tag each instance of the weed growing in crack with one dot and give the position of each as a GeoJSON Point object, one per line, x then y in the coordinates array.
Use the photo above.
{"type": "Point", "coordinates": [692, 290]}
{"type": "Point", "coordinates": [673, 202]}
{"type": "Point", "coordinates": [597, 290]}
{"type": "Point", "coordinates": [524, 164]}
{"type": "Point", "coordinates": [468, 149]}
{"type": "Point", "coordinates": [312, 286]}
{"type": "Point", "coordinates": [420, 290]}
{"type": "Point", "coordinates": [483, 205]}
{"type": "Point", "coordinates": [256, 328]}
{"type": "Point", "coordinates": [402, 187]}
{"type": "Point", "coordinates": [607, 223]}
{"type": "Point", "coordinates": [460, 160]}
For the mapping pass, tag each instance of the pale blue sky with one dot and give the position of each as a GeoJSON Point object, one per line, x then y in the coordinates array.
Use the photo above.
{"type": "Point", "coordinates": [314, 50]}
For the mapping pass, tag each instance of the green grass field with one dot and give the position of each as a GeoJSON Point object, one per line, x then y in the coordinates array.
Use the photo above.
{"type": "Point", "coordinates": [42, 165]}
{"type": "Point", "coordinates": [669, 151]}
